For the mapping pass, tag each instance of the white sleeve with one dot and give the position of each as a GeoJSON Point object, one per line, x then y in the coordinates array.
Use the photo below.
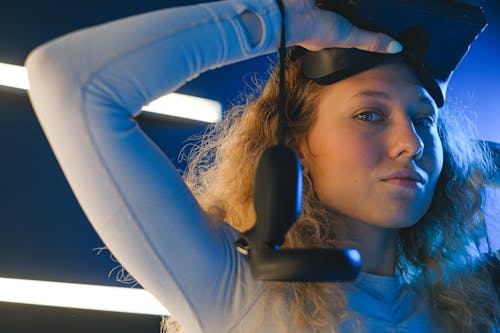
{"type": "Point", "coordinates": [86, 89]}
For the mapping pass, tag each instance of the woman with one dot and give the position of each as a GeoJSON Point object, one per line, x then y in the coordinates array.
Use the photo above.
{"type": "Point", "coordinates": [382, 174]}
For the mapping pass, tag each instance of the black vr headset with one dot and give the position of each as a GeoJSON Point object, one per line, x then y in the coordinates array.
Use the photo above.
{"type": "Point", "coordinates": [435, 35]}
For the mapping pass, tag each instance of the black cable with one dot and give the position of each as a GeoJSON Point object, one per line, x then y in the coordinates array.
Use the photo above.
{"type": "Point", "coordinates": [282, 92]}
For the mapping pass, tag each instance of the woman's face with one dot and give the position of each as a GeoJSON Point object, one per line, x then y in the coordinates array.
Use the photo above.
{"type": "Point", "coordinates": [374, 153]}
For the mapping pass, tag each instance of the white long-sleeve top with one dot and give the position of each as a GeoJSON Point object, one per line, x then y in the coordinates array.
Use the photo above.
{"type": "Point", "coordinates": [86, 89]}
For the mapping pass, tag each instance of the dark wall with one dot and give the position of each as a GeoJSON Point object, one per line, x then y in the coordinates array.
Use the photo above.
{"type": "Point", "coordinates": [20, 318]}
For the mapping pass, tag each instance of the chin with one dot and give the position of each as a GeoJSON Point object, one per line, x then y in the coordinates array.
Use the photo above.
{"type": "Point", "coordinates": [405, 221]}
{"type": "Point", "coordinates": [395, 221]}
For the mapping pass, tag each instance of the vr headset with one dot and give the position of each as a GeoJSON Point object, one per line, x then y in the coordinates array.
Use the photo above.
{"type": "Point", "coordinates": [435, 35]}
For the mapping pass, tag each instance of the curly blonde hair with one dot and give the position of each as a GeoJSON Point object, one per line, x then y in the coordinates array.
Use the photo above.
{"type": "Point", "coordinates": [438, 253]}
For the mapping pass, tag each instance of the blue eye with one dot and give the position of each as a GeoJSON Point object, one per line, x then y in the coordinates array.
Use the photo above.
{"type": "Point", "coordinates": [425, 122]}
{"type": "Point", "coordinates": [369, 116]}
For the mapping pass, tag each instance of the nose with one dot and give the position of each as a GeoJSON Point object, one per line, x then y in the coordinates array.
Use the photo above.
{"type": "Point", "coordinates": [406, 142]}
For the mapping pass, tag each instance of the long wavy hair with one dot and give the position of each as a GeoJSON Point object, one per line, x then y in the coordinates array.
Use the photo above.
{"type": "Point", "coordinates": [440, 253]}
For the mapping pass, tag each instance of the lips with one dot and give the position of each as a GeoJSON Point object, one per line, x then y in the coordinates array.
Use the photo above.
{"type": "Point", "coordinates": [405, 177]}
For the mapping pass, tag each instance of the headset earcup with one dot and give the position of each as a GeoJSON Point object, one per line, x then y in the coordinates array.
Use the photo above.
{"type": "Point", "coordinates": [277, 199]}
{"type": "Point", "coordinates": [277, 195]}
{"type": "Point", "coordinates": [325, 265]}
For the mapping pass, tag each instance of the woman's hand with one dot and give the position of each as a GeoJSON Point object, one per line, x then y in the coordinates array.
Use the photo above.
{"type": "Point", "coordinates": [315, 29]}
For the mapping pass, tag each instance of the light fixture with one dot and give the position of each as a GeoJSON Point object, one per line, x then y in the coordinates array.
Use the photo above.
{"type": "Point", "coordinates": [80, 296]}
{"type": "Point", "coordinates": [176, 105]}
{"type": "Point", "coordinates": [14, 76]}
{"type": "Point", "coordinates": [185, 106]}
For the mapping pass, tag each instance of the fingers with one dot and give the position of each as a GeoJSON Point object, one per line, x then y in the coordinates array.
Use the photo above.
{"type": "Point", "coordinates": [315, 29]}
{"type": "Point", "coordinates": [370, 41]}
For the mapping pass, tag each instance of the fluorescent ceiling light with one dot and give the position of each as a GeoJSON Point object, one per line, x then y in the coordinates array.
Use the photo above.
{"type": "Point", "coordinates": [80, 296]}
{"type": "Point", "coordinates": [185, 106]}
{"type": "Point", "coordinates": [177, 105]}
{"type": "Point", "coordinates": [14, 76]}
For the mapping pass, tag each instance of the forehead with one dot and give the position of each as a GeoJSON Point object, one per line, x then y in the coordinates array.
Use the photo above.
{"type": "Point", "coordinates": [391, 81]}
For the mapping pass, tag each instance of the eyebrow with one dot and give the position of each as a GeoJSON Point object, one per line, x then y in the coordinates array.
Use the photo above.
{"type": "Point", "coordinates": [372, 93]}
{"type": "Point", "coordinates": [384, 95]}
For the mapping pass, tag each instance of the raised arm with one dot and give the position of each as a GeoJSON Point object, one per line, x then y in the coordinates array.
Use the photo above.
{"type": "Point", "coordinates": [86, 89]}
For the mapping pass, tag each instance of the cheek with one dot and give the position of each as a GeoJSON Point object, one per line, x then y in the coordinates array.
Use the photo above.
{"type": "Point", "coordinates": [356, 160]}
{"type": "Point", "coordinates": [343, 155]}
{"type": "Point", "coordinates": [439, 155]}
{"type": "Point", "coordinates": [357, 151]}
{"type": "Point", "coordinates": [434, 156]}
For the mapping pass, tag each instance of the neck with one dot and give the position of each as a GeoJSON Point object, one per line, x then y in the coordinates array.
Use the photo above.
{"type": "Point", "coordinates": [377, 245]}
